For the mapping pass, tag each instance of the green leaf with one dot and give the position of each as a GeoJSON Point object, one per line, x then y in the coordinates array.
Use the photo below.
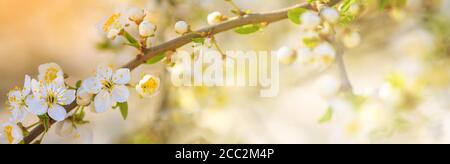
{"type": "Point", "coordinates": [129, 37]}
{"type": "Point", "coordinates": [248, 29]}
{"type": "Point", "coordinates": [198, 40]}
{"type": "Point", "coordinates": [156, 58]}
{"type": "Point", "coordinates": [78, 84]}
{"type": "Point", "coordinates": [45, 121]}
{"type": "Point", "coordinates": [135, 45]}
{"type": "Point", "coordinates": [311, 42]}
{"type": "Point", "coordinates": [123, 109]}
{"type": "Point", "coordinates": [294, 15]}
{"type": "Point", "coordinates": [346, 5]}
{"type": "Point", "coordinates": [327, 116]}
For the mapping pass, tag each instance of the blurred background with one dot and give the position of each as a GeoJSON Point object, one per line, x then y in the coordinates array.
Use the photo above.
{"type": "Point", "coordinates": [400, 72]}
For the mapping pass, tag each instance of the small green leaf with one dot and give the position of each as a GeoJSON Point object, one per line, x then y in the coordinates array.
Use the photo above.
{"type": "Point", "coordinates": [294, 15]}
{"type": "Point", "coordinates": [248, 29]}
{"type": "Point", "coordinates": [45, 121]}
{"type": "Point", "coordinates": [130, 38]}
{"type": "Point", "coordinates": [156, 58]}
{"type": "Point", "coordinates": [311, 42]}
{"type": "Point", "coordinates": [198, 40]}
{"type": "Point", "coordinates": [123, 109]}
{"type": "Point", "coordinates": [327, 116]}
{"type": "Point", "coordinates": [135, 45]}
{"type": "Point", "coordinates": [78, 84]}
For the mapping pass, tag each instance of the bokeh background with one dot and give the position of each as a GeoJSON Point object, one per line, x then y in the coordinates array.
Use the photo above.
{"type": "Point", "coordinates": [409, 44]}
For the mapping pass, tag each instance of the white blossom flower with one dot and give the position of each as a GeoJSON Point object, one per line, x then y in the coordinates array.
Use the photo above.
{"type": "Point", "coordinates": [109, 87]}
{"type": "Point", "coordinates": [136, 14]}
{"type": "Point", "coordinates": [286, 55]}
{"type": "Point", "coordinates": [50, 72]}
{"type": "Point", "coordinates": [215, 18]}
{"type": "Point", "coordinates": [50, 98]}
{"type": "Point", "coordinates": [16, 101]}
{"type": "Point", "coordinates": [325, 52]}
{"type": "Point", "coordinates": [330, 15]}
{"type": "Point", "coordinates": [112, 26]}
{"type": "Point", "coordinates": [83, 97]}
{"type": "Point", "coordinates": [148, 86]}
{"type": "Point", "coordinates": [351, 39]}
{"type": "Point", "coordinates": [147, 29]}
{"type": "Point", "coordinates": [113, 33]}
{"type": "Point", "coordinates": [310, 20]}
{"type": "Point", "coordinates": [81, 134]}
{"type": "Point", "coordinates": [10, 133]}
{"type": "Point", "coordinates": [181, 27]}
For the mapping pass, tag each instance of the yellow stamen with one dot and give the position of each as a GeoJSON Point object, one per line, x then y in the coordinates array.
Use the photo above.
{"type": "Point", "coordinates": [110, 22]}
{"type": "Point", "coordinates": [51, 74]}
{"type": "Point", "coordinates": [8, 133]}
{"type": "Point", "coordinates": [107, 85]}
{"type": "Point", "coordinates": [150, 86]}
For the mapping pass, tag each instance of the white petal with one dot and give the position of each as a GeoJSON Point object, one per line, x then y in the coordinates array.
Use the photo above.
{"type": "Point", "coordinates": [36, 106]}
{"type": "Point", "coordinates": [27, 85]}
{"type": "Point", "coordinates": [44, 67]}
{"type": "Point", "coordinates": [16, 134]}
{"type": "Point", "coordinates": [120, 93]}
{"type": "Point", "coordinates": [104, 73]}
{"type": "Point", "coordinates": [85, 134]}
{"type": "Point", "coordinates": [122, 76]}
{"type": "Point", "coordinates": [83, 97]}
{"type": "Point", "coordinates": [64, 128]}
{"type": "Point", "coordinates": [103, 102]}
{"type": "Point", "coordinates": [67, 97]}
{"type": "Point", "coordinates": [50, 70]}
{"type": "Point", "coordinates": [92, 85]}
{"type": "Point", "coordinates": [35, 87]}
{"type": "Point", "coordinates": [18, 115]}
{"type": "Point", "coordinates": [57, 113]}
{"type": "Point", "coordinates": [14, 98]}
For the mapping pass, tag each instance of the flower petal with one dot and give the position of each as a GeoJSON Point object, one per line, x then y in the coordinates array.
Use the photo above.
{"type": "Point", "coordinates": [83, 97]}
{"type": "Point", "coordinates": [120, 93]}
{"type": "Point", "coordinates": [67, 97]}
{"type": "Point", "coordinates": [14, 98]}
{"type": "Point", "coordinates": [27, 85]}
{"type": "Point", "coordinates": [64, 128]}
{"type": "Point", "coordinates": [57, 113]}
{"type": "Point", "coordinates": [36, 106]}
{"type": "Point", "coordinates": [92, 85]}
{"type": "Point", "coordinates": [35, 87]}
{"type": "Point", "coordinates": [49, 72]}
{"type": "Point", "coordinates": [122, 76]}
{"type": "Point", "coordinates": [104, 73]}
{"type": "Point", "coordinates": [103, 102]}
{"type": "Point", "coordinates": [18, 115]}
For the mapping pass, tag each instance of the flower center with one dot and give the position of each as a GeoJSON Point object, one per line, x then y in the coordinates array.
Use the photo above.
{"type": "Point", "coordinates": [150, 86]}
{"type": "Point", "coordinates": [8, 134]}
{"type": "Point", "coordinates": [51, 99]}
{"type": "Point", "coordinates": [111, 22]}
{"type": "Point", "coordinates": [51, 75]}
{"type": "Point", "coordinates": [108, 85]}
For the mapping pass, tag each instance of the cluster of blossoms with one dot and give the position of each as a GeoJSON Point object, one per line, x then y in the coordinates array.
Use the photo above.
{"type": "Point", "coordinates": [115, 25]}
{"type": "Point", "coordinates": [318, 42]}
{"type": "Point", "coordinates": [52, 100]}
{"type": "Point", "coordinates": [49, 95]}
{"type": "Point", "coordinates": [45, 96]}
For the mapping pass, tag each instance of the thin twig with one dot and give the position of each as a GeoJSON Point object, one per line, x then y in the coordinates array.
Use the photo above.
{"type": "Point", "coordinates": [346, 85]}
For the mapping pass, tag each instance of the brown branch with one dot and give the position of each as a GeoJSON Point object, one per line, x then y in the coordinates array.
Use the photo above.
{"type": "Point", "coordinates": [176, 43]}
{"type": "Point", "coordinates": [346, 85]}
